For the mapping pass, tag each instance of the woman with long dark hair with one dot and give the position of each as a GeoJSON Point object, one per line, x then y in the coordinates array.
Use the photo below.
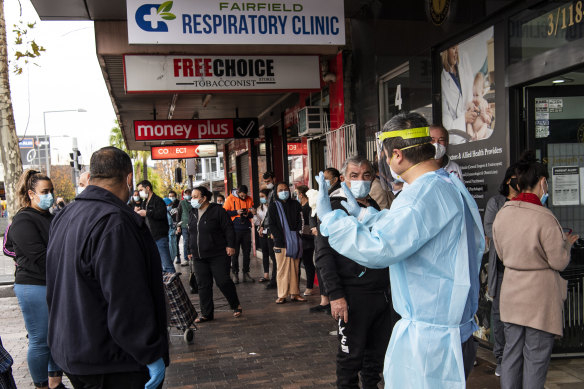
{"type": "Point", "coordinates": [27, 240]}
{"type": "Point", "coordinates": [211, 244]}
{"type": "Point", "coordinates": [534, 249]}
{"type": "Point", "coordinates": [285, 215]}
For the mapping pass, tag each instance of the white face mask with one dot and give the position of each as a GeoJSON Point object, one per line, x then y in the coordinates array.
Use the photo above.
{"type": "Point", "coordinates": [360, 189]}
{"type": "Point", "coordinates": [270, 186]}
{"type": "Point", "coordinates": [136, 198]}
{"type": "Point", "coordinates": [195, 203]}
{"type": "Point", "coordinates": [440, 150]}
{"type": "Point", "coordinates": [143, 194]}
{"type": "Point", "coordinates": [80, 190]}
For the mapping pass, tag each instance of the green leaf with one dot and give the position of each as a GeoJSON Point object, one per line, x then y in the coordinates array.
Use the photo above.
{"type": "Point", "coordinates": [168, 16]}
{"type": "Point", "coordinates": [35, 48]}
{"type": "Point", "coordinates": [165, 7]}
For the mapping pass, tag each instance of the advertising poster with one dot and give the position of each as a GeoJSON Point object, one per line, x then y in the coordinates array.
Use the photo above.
{"type": "Point", "coordinates": [477, 142]}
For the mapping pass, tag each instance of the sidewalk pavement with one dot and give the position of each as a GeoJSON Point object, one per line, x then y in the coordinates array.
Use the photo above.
{"type": "Point", "coordinates": [270, 346]}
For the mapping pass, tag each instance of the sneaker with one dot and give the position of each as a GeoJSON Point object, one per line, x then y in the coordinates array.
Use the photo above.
{"type": "Point", "coordinates": [247, 277]}
{"type": "Point", "coordinates": [320, 308]}
{"type": "Point", "coordinates": [235, 278]}
{"type": "Point", "coordinates": [498, 371]}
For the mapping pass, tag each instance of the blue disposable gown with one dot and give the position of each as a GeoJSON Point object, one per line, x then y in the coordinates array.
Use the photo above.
{"type": "Point", "coordinates": [432, 240]}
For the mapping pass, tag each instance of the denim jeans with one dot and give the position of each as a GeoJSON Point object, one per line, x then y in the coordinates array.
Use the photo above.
{"type": "Point", "coordinates": [33, 304]}
{"type": "Point", "coordinates": [164, 251]}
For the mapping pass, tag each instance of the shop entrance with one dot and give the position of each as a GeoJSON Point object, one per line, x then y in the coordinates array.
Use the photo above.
{"type": "Point", "coordinates": [552, 122]}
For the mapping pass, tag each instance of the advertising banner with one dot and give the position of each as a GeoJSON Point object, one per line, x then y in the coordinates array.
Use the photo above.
{"type": "Point", "coordinates": [35, 151]}
{"type": "Point", "coordinates": [176, 73]}
{"type": "Point", "coordinates": [281, 22]}
{"type": "Point", "coordinates": [163, 130]}
{"type": "Point", "coordinates": [468, 113]}
{"type": "Point", "coordinates": [184, 151]}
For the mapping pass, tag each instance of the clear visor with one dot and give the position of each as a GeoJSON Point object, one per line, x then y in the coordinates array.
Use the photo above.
{"type": "Point", "coordinates": [385, 177]}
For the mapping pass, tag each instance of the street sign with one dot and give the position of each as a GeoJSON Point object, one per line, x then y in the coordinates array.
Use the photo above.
{"type": "Point", "coordinates": [163, 130]}
{"type": "Point", "coordinates": [297, 148]}
{"type": "Point", "coordinates": [184, 151]}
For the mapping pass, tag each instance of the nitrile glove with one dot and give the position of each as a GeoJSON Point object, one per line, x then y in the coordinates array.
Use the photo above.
{"type": "Point", "coordinates": [351, 205]}
{"type": "Point", "coordinates": [323, 201]}
{"type": "Point", "coordinates": [156, 370]}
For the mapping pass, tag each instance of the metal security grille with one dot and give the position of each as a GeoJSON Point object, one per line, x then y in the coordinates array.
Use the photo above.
{"type": "Point", "coordinates": [573, 340]}
{"type": "Point", "coordinates": [341, 144]}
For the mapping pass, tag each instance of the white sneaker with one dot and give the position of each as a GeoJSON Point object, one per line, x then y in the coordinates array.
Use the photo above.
{"type": "Point", "coordinates": [498, 371]}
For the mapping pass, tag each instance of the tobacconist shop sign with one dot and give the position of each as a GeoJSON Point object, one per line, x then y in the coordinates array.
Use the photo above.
{"type": "Point", "coordinates": [283, 22]}
{"type": "Point", "coordinates": [175, 73]}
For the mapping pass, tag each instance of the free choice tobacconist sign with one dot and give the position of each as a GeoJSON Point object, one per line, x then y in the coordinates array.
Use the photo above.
{"type": "Point", "coordinates": [283, 22]}
{"type": "Point", "coordinates": [152, 73]}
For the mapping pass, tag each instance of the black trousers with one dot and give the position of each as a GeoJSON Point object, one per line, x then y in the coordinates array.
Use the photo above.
{"type": "Point", "coordinates": [308, 261]}
{"type": "Point", "coordinates": [267, 247]}
{"type": "Point", "coordinates": [469, 353]}
{"type": "Point", "coordinates": [497, 325]}
{"type": "Point", "coordinates": [243, 240]}
{"type": "Point", "coordinates": [321, 287]}
{"type": "Point", "coordinates": [134, 380]}
{"type": "Point", "coordinates": [364, 339]}
{"type": "Point", "coordinates": [218, 268]}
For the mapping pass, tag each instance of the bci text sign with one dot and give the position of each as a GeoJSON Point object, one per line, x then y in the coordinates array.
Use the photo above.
{"type": "Point", "coordinates": [184, 151]}
{"type": "Point", "coordinates": [162, 130]}
{"type": "Point", "coordinates": [154, 73]}
{"type": "Point", "coordinates": [280, 22]}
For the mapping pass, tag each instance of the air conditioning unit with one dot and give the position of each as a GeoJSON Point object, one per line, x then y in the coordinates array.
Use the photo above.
{"type": "Point", "coordinates": [311, 121]}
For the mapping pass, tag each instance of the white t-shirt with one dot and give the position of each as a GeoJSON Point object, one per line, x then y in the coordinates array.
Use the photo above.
{"type": "Point", "coordinates": [452, 167]}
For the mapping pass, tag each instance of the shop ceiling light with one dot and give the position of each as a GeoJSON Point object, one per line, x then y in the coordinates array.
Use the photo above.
{"type": "Point", "coordinates": [562, 80]}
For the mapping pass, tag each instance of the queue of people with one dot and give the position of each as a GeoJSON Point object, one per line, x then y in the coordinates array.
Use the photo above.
{"type": "Point", "coordinates": [403, 307]}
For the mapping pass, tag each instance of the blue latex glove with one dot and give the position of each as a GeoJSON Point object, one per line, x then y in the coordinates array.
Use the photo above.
{"type": "Point", "coordinates": [351, 205]}
{"type": "Point", "coordinates": [156, 370]}
{"type": "Point", "coordinates": [323, 201]}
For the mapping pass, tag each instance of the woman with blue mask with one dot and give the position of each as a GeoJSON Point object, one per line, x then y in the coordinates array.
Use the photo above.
{"type": "Point", "coordinates": [534, 250]}
{"type": "Point", "coordinates": [266, 245]}
{"type": "Point", "coordinates": [211, 245]}
{"type": "Point", "coordinates": [285, 215]}
{"type": "Point", "coordinates": [27, 241]}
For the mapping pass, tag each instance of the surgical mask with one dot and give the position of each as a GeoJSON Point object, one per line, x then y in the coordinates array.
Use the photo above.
{"type": "Point", "coordinates": [360, 189]}
{"type": "Point", "coordinates": [220, 202]}
{"type": "Point", "coordinates": [545, 196]}
{"type": "Point", "coordinates": [187, 198]}
{"type": "Point", "coordinates": [328, 183]}
{"type": "Point", "coordinates": [136, 198]}
{"type": "Point", "coordinates": [172, 199]}
{"type": "Point", "coordinates": [143, 194]}
{"type": "Point", "coordinates": [440, 150]}
{"type": "Point", "coordinates": [284, 195]}
{"type": "Point", "coordinates": [263, 200]}
{"type": "Point", "coordinates": [80, 190]}
{"type": "Point", "coordinates": [195, 203]}
{"type": "Point", "coordinates": [270, 186]}
{"type": "Point", "coordinates": [45, 201]}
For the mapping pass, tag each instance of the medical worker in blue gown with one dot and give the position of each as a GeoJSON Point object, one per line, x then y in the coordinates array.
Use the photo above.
{"type": "Point", "coordinates": [432, 239]}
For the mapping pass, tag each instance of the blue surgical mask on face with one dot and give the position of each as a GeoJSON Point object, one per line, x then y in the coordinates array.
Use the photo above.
{"type": "Point", "coordinates": [545, 196]}
{"type": "Point", "coordinates": [328, 183]}
{"type": "Point", "coordinates": [284, 195]}
{"type": "Point", "coordinates": [136, 198]}
{"type": "Point", "coordinates": [360, 189]}
{"type": "Point", "coordinates": [187, 198]}
{"type": "Point", "coordinates": [195, 203]}
{"type": "Point", "coordinates": [263, 200]}
{"type": "Point", "coordinates": [45, 201]}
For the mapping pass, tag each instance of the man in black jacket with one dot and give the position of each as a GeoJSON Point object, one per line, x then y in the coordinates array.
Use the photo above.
{"type": "Point", "coordinates": [360, 297]}
{"type": "Point", "coordinates": [153, 209]}
{"type": "Point", "coordinates": [107, 313]}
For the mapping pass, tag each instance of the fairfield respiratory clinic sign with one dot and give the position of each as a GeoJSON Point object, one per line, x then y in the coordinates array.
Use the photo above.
{"type": "Point", "coordinates": [175, 73]}
{"type": "Point", "coordinates": [280, 22]}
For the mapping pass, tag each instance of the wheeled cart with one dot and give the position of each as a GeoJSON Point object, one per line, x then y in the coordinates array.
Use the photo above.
{"type": "Point", "coordinates": [182, 311]}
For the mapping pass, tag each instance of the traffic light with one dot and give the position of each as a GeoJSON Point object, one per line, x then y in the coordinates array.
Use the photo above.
{"type": "Point", "coordinates": [75, 159]}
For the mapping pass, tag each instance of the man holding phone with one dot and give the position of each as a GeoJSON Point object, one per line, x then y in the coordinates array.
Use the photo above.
{"type": "Point", "coordinates": [239, 207]}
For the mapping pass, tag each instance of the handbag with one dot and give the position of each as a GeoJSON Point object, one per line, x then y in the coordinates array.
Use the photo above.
{"type": "Point", "coordinates": [193, 283]}
{"type": "Point", "coordinates": [293, 241]}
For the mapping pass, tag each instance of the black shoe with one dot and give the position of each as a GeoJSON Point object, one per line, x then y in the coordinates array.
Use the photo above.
{"type": "Point", "coordinates": [321, 308]}
{"type": "Point", "coordinates": [271, 286]}
{"type": "Point", "coordinates": [247, 277]}
{"type": "Point", "coordinates": [235, 278]}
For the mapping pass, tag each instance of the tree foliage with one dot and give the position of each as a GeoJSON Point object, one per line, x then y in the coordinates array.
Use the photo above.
{"type": "Point", "coordinates": [27, 50]}
{"type": "Point", "coordinates": [139, 157]}
{"type": "Point", "coordinates": [61, 176]}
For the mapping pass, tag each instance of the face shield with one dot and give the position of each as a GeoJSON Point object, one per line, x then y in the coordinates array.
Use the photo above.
{"type": "Point", "coordinates": [383, 152]}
